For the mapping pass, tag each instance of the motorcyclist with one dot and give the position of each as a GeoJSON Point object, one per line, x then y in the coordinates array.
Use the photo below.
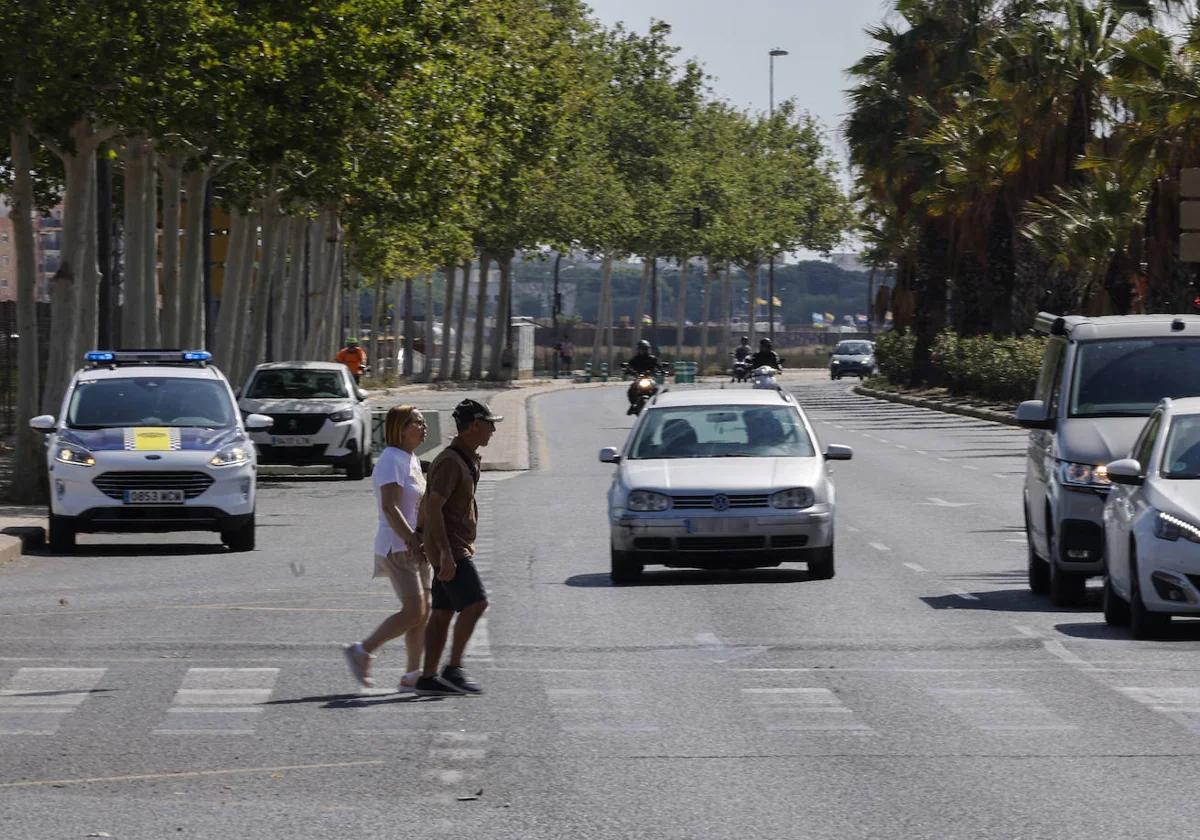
{"type": "Point", "coordinates": [643, 363]}
{"type": "Point", "coordinates": [743, 350]}
{"type": "Point", "coordinates": [766, 356]}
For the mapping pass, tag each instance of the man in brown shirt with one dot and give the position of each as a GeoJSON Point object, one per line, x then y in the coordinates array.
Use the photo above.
{"type": "Point", "coordinates": [451, 518]}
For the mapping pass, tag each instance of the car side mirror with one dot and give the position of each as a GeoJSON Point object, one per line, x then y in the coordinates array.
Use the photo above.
{"type": "Point", "coordinates": [237, 395]}
{"type": "Point", "coordinates": [361, 394]}
{"type": "Point", "coordinates": [1031, 414]}
{"type": "Point", "coordinates": [1126, 471]}
{"type": "Point", "coordinates": [836, 452]}
{"type": "Point", "coordinates": [44, 423]}
{"type": "Point", "coordinates": [610, 455]}
{"type": "Point", "coordinates": [258, 422]}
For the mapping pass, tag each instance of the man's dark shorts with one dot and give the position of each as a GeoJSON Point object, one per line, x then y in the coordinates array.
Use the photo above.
{"type": "Point", "coordinates": [458, 594]}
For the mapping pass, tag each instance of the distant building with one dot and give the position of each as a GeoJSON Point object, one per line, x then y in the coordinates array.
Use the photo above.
{"type": "Point", "coordinates": [847, 262]}
{"type": "Point", "coordinates": [47, 251]}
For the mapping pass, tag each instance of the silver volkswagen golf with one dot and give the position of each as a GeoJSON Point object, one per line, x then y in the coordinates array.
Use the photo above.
{"type": "Point", "coordinates": [722, 479]}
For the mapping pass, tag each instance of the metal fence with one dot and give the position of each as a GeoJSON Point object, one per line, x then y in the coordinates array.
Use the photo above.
{"type": "Point", "coordinates": [10, 341]}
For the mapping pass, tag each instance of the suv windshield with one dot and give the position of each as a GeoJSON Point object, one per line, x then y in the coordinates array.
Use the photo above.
{"type": "Point", "coordinates": [150, 401]}
{"type": "Point", "coordinates": [297, 384]}
{"type": "Point", "coordinates": [1181, 458]}
{"type": "Point", "coordinates": [1128, 377]}
{"type": "Point", "coordinates": [722, 431]}
{"type": "Point", "coordinates": [853, 348]}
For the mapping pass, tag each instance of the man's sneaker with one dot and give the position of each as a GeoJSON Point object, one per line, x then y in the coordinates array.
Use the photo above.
{"type": "Point", "coordinates": [360, 663]}
{"type": "Point", "coordinates": [460, 679]}
{"type": "Point", "coordinates": [437, 687]}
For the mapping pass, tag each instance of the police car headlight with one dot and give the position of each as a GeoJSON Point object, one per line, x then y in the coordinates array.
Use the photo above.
{"type": "Point", "coordinates": [342, 416]}
{"type": "Point", "coordinates": [67, 453]}
{"type": "Point", "coordinates": [231, 456]}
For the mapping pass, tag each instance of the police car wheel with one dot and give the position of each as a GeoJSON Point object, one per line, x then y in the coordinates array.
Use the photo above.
{"type": "Point", "coordinates": [241, 539]}
{"type": "Point", "coordinates": [61, 534]}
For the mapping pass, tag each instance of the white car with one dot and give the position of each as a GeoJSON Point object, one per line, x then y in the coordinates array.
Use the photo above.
{"type": "Point", "coordinates": [150, 442]}
{"type": "Point", "coordinates": [1152, 523]}
{"type": "Point", "coordinates": [722, 479]}
{"type": "Point", "coordinates": [320, 416]}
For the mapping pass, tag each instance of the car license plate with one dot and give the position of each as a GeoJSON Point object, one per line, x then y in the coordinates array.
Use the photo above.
{"type": "Point", "coordinates": [153, 497]}
{"type": "Point", "coordinates": [718, 525]}
{"type": "Point", "coordinates": [291, 440]}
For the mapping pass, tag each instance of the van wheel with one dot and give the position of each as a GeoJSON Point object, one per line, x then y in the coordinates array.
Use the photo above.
{"type": "Point", "coordinates": [61, 534]}
{"type": "Point", "coordinates": [1067, 589]}
{"type": "Point", "coordinates": [1038, 569]}
{"type": "Point", "coordinates": [1116, 609]}
{"type": "Point", "coordinates": [821, 566]}
{"type": "Point", "coordinates": [624, 566]}
{"type": "Point", "coordinates": [240, 539]}
{"type": "Point", "coordinates": [1143, 624]}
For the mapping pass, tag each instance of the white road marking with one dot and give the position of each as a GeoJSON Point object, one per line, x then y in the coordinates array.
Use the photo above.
{"type": "Point", "coordinates": [936, 502]}
{"type": "Point", "coordinates": [947, 460]}
{"type": "Point", "coordinates": [883, 440]}
{"type": "Point", "coordinates": [1027, 631]}
{"type": "Point", "coordinates": [879, 546]}
{"type": "Point", "coordinates": [917, 567]}
{"type": "Point", "coordinates": [219, 701]}
{"type": "Point", "coordinates": [37, 700]}
{"type": "Point", "coordinates": [454, 757]}
{"type": "Point", "coordinates": [999, 475]}
{"type": "Point", "coordinates": [599, 711]}
{"type": "Point", "coordinates": [999, 710]}
{"type": "Point", "coordinates": [971, 468]}
{"type": "Point", "coordinates": [480, 647]}
{"type": "Point", "coordinates": [962, 593]}
{"type": "Point", "coordinates": [1058, 649]}
{"type": "Point", "coordinates": [921, 452]}
{"type": "Point", "coordinates": [901, 446]}
{"type": "Point", "coordinates": [802, 709]}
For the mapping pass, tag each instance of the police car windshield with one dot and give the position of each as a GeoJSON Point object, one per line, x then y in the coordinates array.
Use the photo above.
{"type": "Point", "coordinates": [297, 384]}
{"type": "Point", "coordinates": [732, 431]}
{"type": "Point", "coordinates": [150, 401]}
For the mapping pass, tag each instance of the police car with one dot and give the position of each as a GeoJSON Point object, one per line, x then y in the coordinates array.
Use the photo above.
{"type": "Point", "coordinates": [150, 441]}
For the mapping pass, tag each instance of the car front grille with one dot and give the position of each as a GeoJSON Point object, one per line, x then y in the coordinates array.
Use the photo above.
{"type": "Point", "coordinates": [297, 424]}
{"type": "Point", "coordinates": [721, 543]}
{"type": "Point", "coordinates": [790, 541]}
{"type": "Point", "coordinates": [706, 502]}
{"type": "Point", "coordinates": [114, 484]}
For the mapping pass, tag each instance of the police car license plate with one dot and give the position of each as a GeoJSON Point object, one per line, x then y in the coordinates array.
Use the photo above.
{"type": "Point", "coordinates": [291, 440]}
{"type": "Point", "coordinates": [719, 525]}
{"type": "Point", "coordinates": [153, 497]}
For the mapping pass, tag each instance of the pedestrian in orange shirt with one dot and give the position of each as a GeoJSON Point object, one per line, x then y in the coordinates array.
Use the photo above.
{"type": "Point", "coordinates": [353, 357]}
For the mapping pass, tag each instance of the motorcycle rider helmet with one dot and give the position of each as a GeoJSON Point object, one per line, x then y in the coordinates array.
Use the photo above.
{"type": "Point", "coordinates": [644, 345]}
{"type": "Point", "coordinates": [765, 344]}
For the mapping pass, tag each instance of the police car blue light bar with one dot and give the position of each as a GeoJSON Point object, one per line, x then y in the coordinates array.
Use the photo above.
{"type": "Point", "coordinates": [150, 357]}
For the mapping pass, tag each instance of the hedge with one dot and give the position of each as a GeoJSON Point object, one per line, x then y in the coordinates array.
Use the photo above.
{"type": "Point", "coordinates": [1004, 369]}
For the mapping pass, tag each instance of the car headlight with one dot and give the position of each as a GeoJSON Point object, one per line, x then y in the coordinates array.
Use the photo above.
{"type": "Point", "coordinates": [342, 416]}
{"type": "Point", "coordinates": [231, 456]}
{"type": "Point", "coordinates": [67, 453]}
{"type": "Point", "coordinates": [646, 500]}
{"type": "Point", "coordinates": [837, 361]}
{"type": "Point", "coordinates": [870, 360]}
{"type": "Point", "coordinates": [795, 499]}
{"type": "Point", "coordinates": [1168, 527]}
{"type": "Point", "coordinates": [645, 384]}
{"type": "Point", "coordinates": [1084, 475]}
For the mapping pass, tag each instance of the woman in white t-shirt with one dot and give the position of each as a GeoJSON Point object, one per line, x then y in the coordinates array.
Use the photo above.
{"type": "Point", "coordinates": [399, 485]}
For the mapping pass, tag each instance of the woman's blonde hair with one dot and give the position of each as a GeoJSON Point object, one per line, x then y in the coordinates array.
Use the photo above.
{"type": "Point", "coordinates": [398, 417]}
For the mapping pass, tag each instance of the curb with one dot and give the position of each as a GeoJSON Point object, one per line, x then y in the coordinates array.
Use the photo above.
{"type": "Point", "coordinates": [1002, 417]}
{"type": "Point", "coordinates": [514, 453]}
{"type": "Point", "coordinates": [16, 540]}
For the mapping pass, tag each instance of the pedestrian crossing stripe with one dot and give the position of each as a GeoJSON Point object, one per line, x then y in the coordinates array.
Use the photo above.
{"type": "Point", "coordinates": [35, 701]}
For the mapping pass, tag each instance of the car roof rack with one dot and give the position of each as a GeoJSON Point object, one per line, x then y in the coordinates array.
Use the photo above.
{"type": "Point", "coordinates": [124, 358]}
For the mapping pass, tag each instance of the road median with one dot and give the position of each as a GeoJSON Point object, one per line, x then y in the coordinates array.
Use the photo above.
{"type": "Point", "coordinates": [946, 405]}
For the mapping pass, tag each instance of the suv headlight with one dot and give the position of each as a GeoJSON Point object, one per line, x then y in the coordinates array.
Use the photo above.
{"type": "Point", "coordinates": [342, 416]}
{"type": "Point", "coordinates": [231, 456]}
{"type": "Point", "coordinates": [869, 360]}
{"type": "Point", "coordinates": [836, 362]}
{"type": "Point", "coordinates": [68, 453]}
{"type": "Point", "coordinates": [1168, 527]}
{"type": "Point", "coordinates": [647, 501]}
{"type": "Point", "coordinates": [1084, 475]}
{"type": "Point", "coordinates": [797, 498]}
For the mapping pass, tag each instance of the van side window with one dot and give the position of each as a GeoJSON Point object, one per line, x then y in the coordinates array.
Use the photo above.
{"type": "Point", "coordinates": [1144, 448]}
{"type": "Point", "coordinates": [1050, 379]}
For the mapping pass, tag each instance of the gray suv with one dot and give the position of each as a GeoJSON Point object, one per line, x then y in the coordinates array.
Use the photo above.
{"type": "Point", "coordinates": [1100, 379]}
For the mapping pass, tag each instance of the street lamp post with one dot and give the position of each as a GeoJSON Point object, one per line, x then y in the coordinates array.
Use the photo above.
{"type": "Point", "coordinates": [773, 54]}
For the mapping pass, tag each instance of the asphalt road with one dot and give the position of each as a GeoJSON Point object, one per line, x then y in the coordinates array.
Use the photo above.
{"type": "Point", "coordinates": [151, 690]}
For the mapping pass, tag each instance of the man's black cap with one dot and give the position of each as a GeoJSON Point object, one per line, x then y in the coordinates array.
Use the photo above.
{"type": "Point", "coordinates": [468, 411]}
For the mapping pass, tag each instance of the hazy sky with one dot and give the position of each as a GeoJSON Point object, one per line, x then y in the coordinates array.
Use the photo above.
{"type": "Point", "coordinates": [731, 39]}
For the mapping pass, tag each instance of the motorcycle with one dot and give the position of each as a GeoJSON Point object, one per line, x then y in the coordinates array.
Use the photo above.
{"type": "Point", "coordinates": [644, 389]}
{"type": "Point", "coordinates": [741, 368]}
{"type": "Point", "coordinates": [764, 377]}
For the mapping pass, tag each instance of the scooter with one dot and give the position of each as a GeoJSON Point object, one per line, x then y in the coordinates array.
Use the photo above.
{"type": "Point", "coordinates": [741, 369]}
{"type": "Point", "coordinates": [764, 377]}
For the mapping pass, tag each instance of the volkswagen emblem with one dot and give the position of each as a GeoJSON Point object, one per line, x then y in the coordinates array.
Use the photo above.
{"type": "Point", "coordinates": [720, 502]}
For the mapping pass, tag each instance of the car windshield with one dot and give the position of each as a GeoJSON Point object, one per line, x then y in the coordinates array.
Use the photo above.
{"type": "Point", "coordinates": [297, 384]}
{"type": "Point", "coordinates": [150, 401]}
{"type": "Point", "coordinates": [722, 431]}
{"type": "Point", "coordinates": [1128, 377]}
{"type": "Point", "coordinates": [853, 348]}
{"type": "Point", "coordinates": [1181, 458]}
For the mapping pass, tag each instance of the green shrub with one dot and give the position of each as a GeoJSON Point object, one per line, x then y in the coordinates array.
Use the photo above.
{"type": "Point", "coordinates": [998, 369]}
{"type": "Point", "coordinates": [894, 355]}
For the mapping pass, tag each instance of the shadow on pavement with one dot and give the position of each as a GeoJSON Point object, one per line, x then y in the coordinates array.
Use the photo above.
{"type": "Point", "coordinates": [1009, 600]}
{"type": "Point", "coordinates": [1181, 630]}
{"type": "Point", "coordinates": [353, 701]}
{"type": "Point", "coordinates": [692, 577]}
{"type": "Point", "coordinates": [137, 550]}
